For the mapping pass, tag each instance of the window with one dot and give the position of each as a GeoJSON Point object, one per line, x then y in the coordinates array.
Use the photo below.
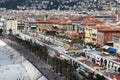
{"type": "Point", "coordinates": [109, 36]}
{"type": "Point", "coordinates": [73, 28]}
{"type": "Point", "coordinates": [116, 40]}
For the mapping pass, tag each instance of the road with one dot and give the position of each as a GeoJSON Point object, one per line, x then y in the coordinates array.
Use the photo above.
{"type": "Point", "coordinates": [43, 67]}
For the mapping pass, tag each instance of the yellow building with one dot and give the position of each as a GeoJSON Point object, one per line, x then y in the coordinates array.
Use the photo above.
{"type": "Point", "coordinates": [88, 34]}
{"type": "Point", "coordinates": [43, 26]}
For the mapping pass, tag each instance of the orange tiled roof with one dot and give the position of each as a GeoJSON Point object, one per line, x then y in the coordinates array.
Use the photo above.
{"type": "Point", "coordinates": [74, 33]}
{"type": "Point", "coordinates": [91, 20]}
{"type": "Point", "coordinates": [23, 17]}
{"type": "Point", "coordinates": [110, 29]}
{"type": "Point", "coordinates": [76, 18]}
{"type": "Point", "coordinates": [61, 22]}
{"type": "Point", "coordinates": [55, 21]}
{"type": "Point", "coordinates": [64, 22]}
{"type": "Point", "coordinates": [43, 21]}
{"type": "Point", "coordinates": [101, 27]}
{"type": "Point", "coordinates": [117, 35]}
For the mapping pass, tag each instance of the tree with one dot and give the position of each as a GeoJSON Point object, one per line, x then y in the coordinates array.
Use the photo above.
{"type": "Point", "coordinates": [53, 62]}
{"type": "Point", "coordinates": [84, 78]}
{"type": "Point", "coordinates": [105, 62]}
{"type": "Point", "coordinates": [1, 30]}
{"type": "Point", "coordinates": [90, 44]}
{"type": "Point", "coordinates": [64, 67]}
{"type": "Point", "coordinates": [101, 60]}
{"type": "Point", "coordinates": [119, 70]}
{"type": "Point", "coordinates": [10, 31]}
{"type": "Point", "coordinates": [55, 27]}
{"type": "Point", "coordinates": [69, 71]}
{"type": "Point", "coordinates": [78, 41]}
{"type": "Point", "coordinates": [99, 77]}
{"type": "Point", "coordinates": [51, 33]}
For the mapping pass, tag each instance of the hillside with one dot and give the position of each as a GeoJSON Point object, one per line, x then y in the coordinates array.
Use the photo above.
{"type": "Point", "coordinates": [59, 4]}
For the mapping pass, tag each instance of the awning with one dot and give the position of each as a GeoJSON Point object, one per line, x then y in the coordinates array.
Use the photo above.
{"type": "Point", "coordinates": [106, 47]}
{"type": "Point", "coordinates": [109, 41]}
{"type": "Point", "coordinates": [33, 26]}
{"type": "Point", "coordinates": [113, 50]}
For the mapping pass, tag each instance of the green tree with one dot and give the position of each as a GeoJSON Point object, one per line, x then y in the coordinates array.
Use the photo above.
{"type": "Point", "coordinates": [119, 70]}
{"type": "Point", "coordinates": [63, 67]}
{"type": "Point", "coordinates": [1, 31]}
{"type": "Point", "coordinates": [10, 31]}
{"type": "Point", "coordinates": [55, 27]}
{"type": "Point", "coordinates": [51, 33]}
{"type": "Point", "coordinates": [99, 77]}
{"type": "Point", "coordinates": [78, 41]}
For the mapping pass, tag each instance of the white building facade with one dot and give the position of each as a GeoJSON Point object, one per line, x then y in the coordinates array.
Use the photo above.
{"type": "Point", "coordinates": [116, 43]}
{"type": "Point", "coordinates": [11, 24]}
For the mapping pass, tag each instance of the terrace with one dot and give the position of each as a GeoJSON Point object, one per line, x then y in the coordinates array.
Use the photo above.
{"type": "Point", "coordinates": [104, 62]}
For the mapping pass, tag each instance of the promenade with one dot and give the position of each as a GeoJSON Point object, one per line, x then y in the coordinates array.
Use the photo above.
{"type": "Point", "coordinates": [44, 68]}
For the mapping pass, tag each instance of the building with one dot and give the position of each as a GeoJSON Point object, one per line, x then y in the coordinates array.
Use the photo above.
{"type": "Point", "coordinates": [1, 23]}
{"type": "Point", "coordinates": [100, 34]}
{"type": "Point", "coordinates": [116, 43]}
{"type": "Point", "coordinates": [88, 34]}
{"type": "Point", "coordinates": [95, 35]}
{"type": "Point", "coordinates": [90, 22]}
{"type": "Point", "coordinates": [74, 35]}
{"type": "Point", "coordinates": [21, 25]}
{"type": "Point", "coordinates": [110, 63]}
{"type": "Point", "coordinates": [44, 25]}
{"type": "Point", "coordinates": [32, 25]}
{"type": "Point", "coordinates": [106, 35]}
{"type": "Point", "coordinates": [79, 28]}
{"type": "Point", "coordinates": [11, 23]}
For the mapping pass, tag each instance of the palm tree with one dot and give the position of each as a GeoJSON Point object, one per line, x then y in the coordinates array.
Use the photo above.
{"type": "Point", "coordinates": [64, 64]}
{"type": "Point", "coordinates": [10, 31]}
{"type": "Point", "coordinates": [105, 62]}
{"type": "Point", "coordinates": [53, 62]}
{"type": "Point", "coordinates": [101, 60]}
{"type": "Point", "coordinates": [119, 70]}
{"type": "Point", "coordinates": [99, 77]}
{"type": "Point", "coordinates": [59, 66]}
{"type": "Point", "coordinates": [84, 78]}
{"type": "Point", "coordinates": [1, 30]}
{"type": "Point", "coordinates": [69, 72]}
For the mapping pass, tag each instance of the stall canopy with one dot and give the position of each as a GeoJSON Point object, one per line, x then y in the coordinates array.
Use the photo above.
{"type": "Point", "coordinates": [106, 47]}
{"type": "Point", "coordinates": [113, 50]}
